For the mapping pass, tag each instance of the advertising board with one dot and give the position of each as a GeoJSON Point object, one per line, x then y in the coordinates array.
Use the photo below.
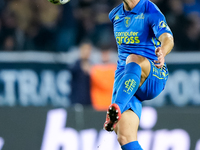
{"type": "Point", "coordinates": [80, 128]}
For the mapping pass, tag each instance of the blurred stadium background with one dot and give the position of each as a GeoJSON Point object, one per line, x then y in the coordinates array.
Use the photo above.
{"type": "Point", "coordinates": [57, 66]}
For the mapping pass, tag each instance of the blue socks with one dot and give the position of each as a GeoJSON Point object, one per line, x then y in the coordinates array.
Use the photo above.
{"type": "Point", "coordinates": [128, 84]}
{"type": "Point", "coordinates": [132, 146]}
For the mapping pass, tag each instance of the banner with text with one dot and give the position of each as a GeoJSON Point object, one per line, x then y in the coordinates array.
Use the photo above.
{"type": "Point", "coordinates": [80, 128]}
{"type": "Point", "coordinates": [43, 79]}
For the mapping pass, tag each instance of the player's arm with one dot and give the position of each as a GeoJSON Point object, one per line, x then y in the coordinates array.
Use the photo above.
{"type": "Point", "coordinates": [167, 43]}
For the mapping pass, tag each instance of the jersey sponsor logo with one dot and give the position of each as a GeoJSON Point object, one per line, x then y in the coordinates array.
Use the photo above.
{"type": "Point", "coordinates": [116, 17]}
{"type": "Point", "coordinates": [127, 21]}
{"type": "Point", "coordinates": [127, 37]}
{"type": "Point", "coordinates": [129, 85]}
{"type": "Point", "coordinates": [140, 16]}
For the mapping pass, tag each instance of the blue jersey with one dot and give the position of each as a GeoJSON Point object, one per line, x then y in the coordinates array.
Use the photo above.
{"type": "Point", "coordinates": [137, 31]}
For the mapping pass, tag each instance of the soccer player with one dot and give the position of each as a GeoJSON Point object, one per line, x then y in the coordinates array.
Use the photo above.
{"type": "Point", "coordinates": [143, 39]}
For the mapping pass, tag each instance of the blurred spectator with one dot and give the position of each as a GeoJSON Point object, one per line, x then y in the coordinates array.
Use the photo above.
{"type": "Point", "coordinates": [191, 35]}
{"type": "Point", "coordinates": [176, 20]}
{"type": "Point", "coordinates": [191, 6]}
{"type": "Point", "coordinates": [66, 33]}
{"type": "Point", "coordinates": [9, 43]}
{"type": "Point", "coordinates": [102, 79]}
{"type": "Point", "coordinates": [103, 30]}
{"type": "Point", "coordinates": [81, 76]}
{"type": "Point", "coordinates": [23, 12]}
{"type": "Point", "coordinates": [38, 37]}
{"type": "Point", "coordinates": [8, 31]}
{"type": "Point", "coordinates": [85, 19]}
{"type": "Point", "coordinates": [32, 22]}
{"type": "Point", "coordinates": [40, 34]}
{"type": "Point", "coordinates": [2, 3]}
{"type": "Point", "coordinates": [40, 25]}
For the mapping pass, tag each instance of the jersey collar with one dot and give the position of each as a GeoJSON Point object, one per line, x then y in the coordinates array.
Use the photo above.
{"type": "Point", "coordinates": [137, 8]}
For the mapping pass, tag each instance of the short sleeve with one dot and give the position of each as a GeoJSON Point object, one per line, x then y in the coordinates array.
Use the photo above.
{"type": "Point", "coordinates": [113, 12]}
{"type": "Point", "coordinates": [158, 24]}
{"type": "Point", "coordinates": [110, 16]}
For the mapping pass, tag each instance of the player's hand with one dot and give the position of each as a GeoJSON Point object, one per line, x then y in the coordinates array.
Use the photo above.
{"type": "Point", "coordinates": [161, 58]}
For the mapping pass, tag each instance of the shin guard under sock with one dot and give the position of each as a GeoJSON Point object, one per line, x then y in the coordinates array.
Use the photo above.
{"type": "Point", "coordinates": [128, 84]}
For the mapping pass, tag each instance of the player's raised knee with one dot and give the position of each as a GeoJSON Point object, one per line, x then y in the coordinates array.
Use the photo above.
{"type": "Point", "coordinates": [135, 58]}
{"type": "Point", "coordinates": [143, 63]}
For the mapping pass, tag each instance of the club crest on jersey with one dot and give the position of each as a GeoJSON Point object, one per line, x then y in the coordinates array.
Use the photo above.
{"type": "Point", "coordinates": [127, 21]}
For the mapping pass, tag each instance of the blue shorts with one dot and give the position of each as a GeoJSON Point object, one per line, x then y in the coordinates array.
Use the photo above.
{"type": "Point", "coordinates": [152, 86]}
